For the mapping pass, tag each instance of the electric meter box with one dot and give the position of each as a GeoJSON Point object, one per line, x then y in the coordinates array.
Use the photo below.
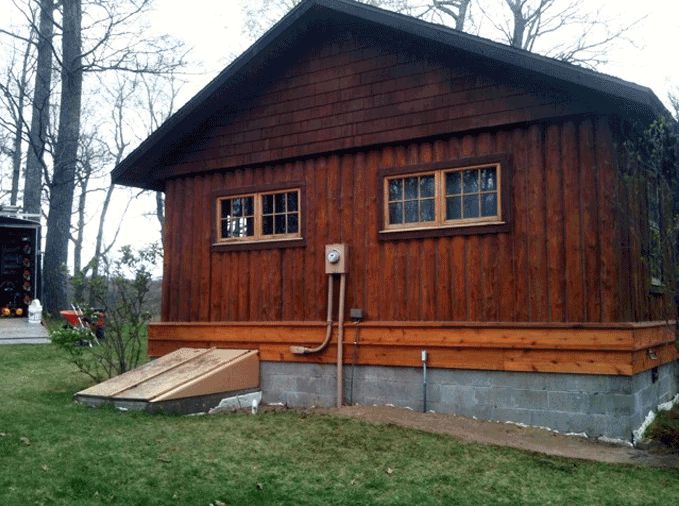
{"type": "Point", "coordinates": [336, 259]}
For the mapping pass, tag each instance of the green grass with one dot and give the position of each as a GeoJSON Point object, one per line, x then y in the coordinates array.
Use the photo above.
{"type": "Point", "coordinates": [53, 451]}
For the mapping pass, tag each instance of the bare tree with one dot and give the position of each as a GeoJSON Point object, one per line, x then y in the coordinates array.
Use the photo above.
{"type": "Point", "coordinates": [584, 36]}
{"type": "Point", "coordinates": [453, 13]}
{"type": "Point", "coordinates": [158, 101]}
{"type": "Point", "coordinates": [65, 159]}
{"type": "Point", "coordinates": [13, 96]}
{"type": "Point", "coordinates": [262, 14]}
{"type": "Point", "coordinates": [105, 43]}
{"type": "Point", "coordinates": [35, 166]}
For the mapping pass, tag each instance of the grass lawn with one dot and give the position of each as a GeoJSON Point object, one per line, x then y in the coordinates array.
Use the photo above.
{"type": "Point", "coordinates": [53, 451]}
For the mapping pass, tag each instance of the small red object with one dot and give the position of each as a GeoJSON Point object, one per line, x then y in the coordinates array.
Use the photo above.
{"type": "Point", "coordinates": [70, 316]}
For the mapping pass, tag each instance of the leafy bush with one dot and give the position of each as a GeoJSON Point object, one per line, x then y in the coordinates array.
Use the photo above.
{"type": "Point", "coordinates": [665, 428]}
{"type": "Point", "coordinates": [124, 295]}
{"type": "Point", "coordinates": [77, 342]}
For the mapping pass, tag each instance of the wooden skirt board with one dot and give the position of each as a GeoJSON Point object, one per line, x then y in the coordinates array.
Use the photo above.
{"type": "Point", "coordinates": [587, 348]}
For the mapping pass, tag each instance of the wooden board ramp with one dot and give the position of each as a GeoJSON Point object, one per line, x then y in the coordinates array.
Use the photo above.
{"type": "Point", "coordinates": [188, 380]}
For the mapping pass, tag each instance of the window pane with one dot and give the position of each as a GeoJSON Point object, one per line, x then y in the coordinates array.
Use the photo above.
{"type": "Point", "coordinates": [279, 224]}
{"type": "Point", "coordinates": [410, 188]}
{"type": "Point", "coordinates": [489, 204]}
{"type": "Point", "coordinates": [453, 183]}
{"type": "Point", "coordinates": [236, 207]}
{"type": "Point", "coordinates": [411, 214]}
{"type": "Point", "coordinates": [426, 186]}
{"type": "Point", "coordinates": [292, 201]}
{"type": "Point", "coordinates": [453, 208]}
{"type": "Point", "coordinates": [279, 200]}
{"type": "Point", "coordinates": [471, 181]}
{"type": "Point", "coordinates": [293, 223]}
{"type": "Point", "coordinates": [427, 212]}
{"type": "Point", "coordinates": [267, 204]}
{"type": "Point", "coordinates": [395, 189]}
{"type": "Point", "coordinates": [267, 225]}
{"type": "Point", "coordinates": [488, 180]}
{"type": "Point", "coordinates": [471, 206]}
{"type": "Point", "coordinates": [226, 208]}
{"type": "Point", "coordinates": [396, 213]}
{"type": "Point", "coordinates": [248, 206]}
{"type": "Point", "coordinates": [225, 229]}
{"type": "Point", "coordinates": [250, 226]}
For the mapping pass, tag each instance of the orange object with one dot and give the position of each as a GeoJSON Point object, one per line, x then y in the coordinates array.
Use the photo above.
{"type": "Point", "coordinates": [70, 316]}
{"type": "Point", "coordinates": [19, 312]}
{"type": "Point", "coordinates": [6, 311]}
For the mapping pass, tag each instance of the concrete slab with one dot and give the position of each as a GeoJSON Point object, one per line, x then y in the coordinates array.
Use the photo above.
{"type": "Point", "coordinates": [19, 331]}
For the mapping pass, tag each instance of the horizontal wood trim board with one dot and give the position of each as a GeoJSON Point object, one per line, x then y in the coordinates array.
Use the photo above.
{"type": "Point", "coordinates": [617, 349]}
{"type": "Point", "coordinates": [582, 362]}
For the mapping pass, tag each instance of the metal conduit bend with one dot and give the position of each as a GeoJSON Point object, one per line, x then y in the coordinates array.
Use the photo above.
{"type": "Point", "coordinates": [303, 350]}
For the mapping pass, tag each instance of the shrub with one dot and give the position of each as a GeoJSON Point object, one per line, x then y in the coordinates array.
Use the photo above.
{"type": "Point", "coordinates": [665, 429]}
{"type": "Point", "coordinates": [123, 294]}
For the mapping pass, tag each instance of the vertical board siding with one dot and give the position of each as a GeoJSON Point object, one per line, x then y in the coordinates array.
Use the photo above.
{"type": "Point", "coordinates": [561, 260]}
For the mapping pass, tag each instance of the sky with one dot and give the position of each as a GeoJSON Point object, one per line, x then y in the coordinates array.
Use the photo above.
{"type": "Point", "coordinates": [214, 31]}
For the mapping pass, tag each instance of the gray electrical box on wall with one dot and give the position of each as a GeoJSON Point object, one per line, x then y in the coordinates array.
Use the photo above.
{"type": "Point", "coordinates": [336, 259]}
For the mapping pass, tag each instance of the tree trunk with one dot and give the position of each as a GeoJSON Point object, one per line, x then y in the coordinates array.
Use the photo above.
{"type": "Point", "coordinates": [79, 234]}
{"type": "Point", "coordinates": [98, 247]}
{"type": "Point", "coordinates": [160, 213]}
{"type": "Point", "coordinates": [65, 158]}
{"type": "Point", "coordinates": [18, 133]}
{"type": "Point", "coordinates": [519, 26]}
{"type": "Point", "coordinates": [40, 112]}
{"type": "Point", "coordinates": [79, 288]}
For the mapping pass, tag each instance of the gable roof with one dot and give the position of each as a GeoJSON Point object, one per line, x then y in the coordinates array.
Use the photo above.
{"type": "Point", "coordinates": [289, 30]}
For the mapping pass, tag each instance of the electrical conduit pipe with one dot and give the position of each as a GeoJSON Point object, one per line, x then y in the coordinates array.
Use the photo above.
{"type": "Point", "coordinates": [302, 350]}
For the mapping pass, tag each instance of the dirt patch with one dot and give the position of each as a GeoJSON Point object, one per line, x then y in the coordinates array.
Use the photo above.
{"type": "Point", "coordinates": [503, 434]}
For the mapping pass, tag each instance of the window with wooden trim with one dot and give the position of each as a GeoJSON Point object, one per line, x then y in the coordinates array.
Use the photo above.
{"type": "Point", "coordinates": [447, 197]}
{"type": "Point", "coordinates": [260, 216]}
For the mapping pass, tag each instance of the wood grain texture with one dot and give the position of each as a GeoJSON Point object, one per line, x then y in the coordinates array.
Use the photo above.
{"type": "Point", "coordinates": [616, 349]}
{"type": "Point", "coordinates": [561, 258]}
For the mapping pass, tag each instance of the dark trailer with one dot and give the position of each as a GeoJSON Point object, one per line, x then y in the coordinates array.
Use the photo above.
{"type": "Point", "coordinates": [19, 260]}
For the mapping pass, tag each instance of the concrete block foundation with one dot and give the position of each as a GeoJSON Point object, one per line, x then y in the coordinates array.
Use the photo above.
{"type": "Point", "coordinates": [610, 406]}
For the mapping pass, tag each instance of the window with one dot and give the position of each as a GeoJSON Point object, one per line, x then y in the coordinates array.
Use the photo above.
{"type": "Point", "coordinates": [447, 197]}
{"type": "Point", "coordinates": [261, 216]}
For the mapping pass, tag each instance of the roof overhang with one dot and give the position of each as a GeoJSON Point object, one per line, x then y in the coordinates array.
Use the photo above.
{"type": "Point", "coordinates": [136, 169]}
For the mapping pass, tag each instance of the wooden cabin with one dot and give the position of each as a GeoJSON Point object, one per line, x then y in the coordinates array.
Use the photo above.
{"type": "Point", "coordinates": [481, 193]}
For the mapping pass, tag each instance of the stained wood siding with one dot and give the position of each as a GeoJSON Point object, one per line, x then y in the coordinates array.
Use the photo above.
{"type": "Point", "coordinates": [584, 348]}
{"type": "Point", "coordinates": [349, 89]}
{"type": "Point", "coordinates": [565, 258]}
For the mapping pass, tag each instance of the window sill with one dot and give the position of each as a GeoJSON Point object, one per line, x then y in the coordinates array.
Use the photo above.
{"type": "Point", "coordinates": [492, 227]}
{"type": "Point", "coordinates": [290, 242]}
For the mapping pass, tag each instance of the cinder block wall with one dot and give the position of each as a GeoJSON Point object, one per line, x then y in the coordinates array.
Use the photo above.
{"type": "Point", "coordinates": [611, 406]}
